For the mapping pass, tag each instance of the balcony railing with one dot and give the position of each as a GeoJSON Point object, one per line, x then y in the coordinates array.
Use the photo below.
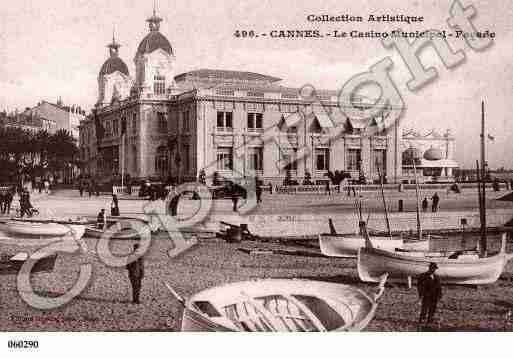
{"type": "Point", "coordinates": [224, 129]}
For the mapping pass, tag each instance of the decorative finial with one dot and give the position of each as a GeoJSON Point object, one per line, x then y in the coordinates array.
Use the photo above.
{"type": "Point", "coordinates": [154, 20]}
{"type": "Point", "coordinates": [114, 46]}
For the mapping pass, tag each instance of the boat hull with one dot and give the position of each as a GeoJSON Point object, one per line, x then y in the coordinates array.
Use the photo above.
{"type": "Point", "coordinates": [124, 234]}
{"type": "Point", "coordinates": [465, 270]}
{"type": "Point", "coordinates": [347, 246]}
{"type": "Point", "coordinates": [353, 308]}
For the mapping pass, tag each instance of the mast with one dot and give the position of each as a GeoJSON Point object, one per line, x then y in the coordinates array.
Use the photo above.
{"type": "Point", "coordinates": [482, 183]}
{"type": "Point", "coordinates": [419, 228]}
{"type": "Point", "coordinates": [384, 202]}
{"type": "Point", "coordinates": [479, 196]}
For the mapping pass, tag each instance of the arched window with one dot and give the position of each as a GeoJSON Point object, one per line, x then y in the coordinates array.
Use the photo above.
{"type": "Point", "coordinates": [159, 85]}
{"type": "Point", "coordinates": [162, 161]}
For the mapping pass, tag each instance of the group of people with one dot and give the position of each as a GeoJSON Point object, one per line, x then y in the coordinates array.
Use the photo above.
{"type": "Point", "coordinates": [91, 187]}
{"type": "Point", "coordinates": [6, 198]}
{"type": "Point", "coordinates": [434, 204]}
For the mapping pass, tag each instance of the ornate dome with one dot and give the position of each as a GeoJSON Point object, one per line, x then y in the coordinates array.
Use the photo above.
{"type": "Point", "coordinates": [433, 154]}
{"type": "Point", "coordinates": [153, 41]}
{"type": "Point", "coordinates": [112, 65]}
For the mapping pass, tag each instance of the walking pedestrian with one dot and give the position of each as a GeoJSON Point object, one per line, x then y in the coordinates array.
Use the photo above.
{"type": "Point", "coordinates": [101, 220]}
{"type": "Point", "coordinates": [425, 204]}
{"type": "Point", "coordinates": [235, 198]}
{"type": "Point", "coordinates": [114, 206]}
{"type": "Point", "coordinates": [350, 188]}
{"type": "Point", "coordinates": [258, 190]}
{"type": "Point", "coordinates": [173, 204]}
{"type": "Point", "coordinates": [430, 292]}
{"type": "Point", "coordinates": [47, 186]}
{"type": "Point", "coordinates": [81, 189]}
{"type": "Point", "coordinates": [136, 274]}
{"type": "Point", "coordinates": [436, 200]}
{"type": "Point", "coordinates": [8, 200]}
{"type": "Point", "coordinates": [2, 201]}
{"type": "Point", "coordinates": [25, 203]}
{"type": "Point", "coordinates": [328, 189]}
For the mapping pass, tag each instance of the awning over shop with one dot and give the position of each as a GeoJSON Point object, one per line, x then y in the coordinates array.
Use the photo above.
{"type": "Point", "coordinates": [324, 120]}
{"type": "Point", "coordinates": [358, 123]}
{"type": "Point", "coordinates": [292, 119]}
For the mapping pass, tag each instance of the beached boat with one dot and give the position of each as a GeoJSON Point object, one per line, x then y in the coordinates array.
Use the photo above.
{"type": "Point", "coordinates": [12, 265]}
{"type": "Point", "coordinates": [122, 234]}
{"type": "Point", "coordinates": [287, 305]}
{"type": "Point", "coordinates": [41, 228]}
{"type": "Point", "coordinates": [347, 246]}
{"type": "Point", "coordinates": [464, 269]}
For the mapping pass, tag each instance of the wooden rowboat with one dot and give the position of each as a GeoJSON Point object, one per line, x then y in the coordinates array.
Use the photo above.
{"type": "Point", "coordinates": [465, 269]}
{"type": "Point", "coordinates": [34, 228]}
{"type": "Point", "coordinates": [12, 265]}
{"type": "Point", "coordinates": [283, 305]}
{"type": "Point", "coordinates": [123, 234]}
{"type": "Point", "coordinates": [347, 246]}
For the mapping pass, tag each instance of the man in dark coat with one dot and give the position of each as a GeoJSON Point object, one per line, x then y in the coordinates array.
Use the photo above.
{"type": "Point", "coordinates": [136, 274]}
{"type": "Point", "coordinates": [101, 220]}
{"type": "Point", "coordinates": [3, 196]}
{"type": "Point", "coordinates": [173, 204]}
{"type": "Point", "coordinates": [258, 191]}
{"type": "Point", "coordinates": [8, 200]}
{"type": "Point", "coordinates": [436, 200]}
{"type": "Point", "coordinates": [430, 292]}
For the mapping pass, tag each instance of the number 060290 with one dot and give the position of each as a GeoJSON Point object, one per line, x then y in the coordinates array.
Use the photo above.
{"type": "Point", "coordinates": [23, 344]}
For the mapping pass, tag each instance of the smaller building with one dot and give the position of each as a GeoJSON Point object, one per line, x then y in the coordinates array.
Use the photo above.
{"type": "Point", "coordinates": [433, 154]}
{"type": "Point", "coordinates": [57, 116]}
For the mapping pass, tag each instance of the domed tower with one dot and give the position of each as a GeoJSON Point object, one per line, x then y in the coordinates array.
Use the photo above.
{"type": "Point", "coordinates": [114, 78]}
{"type": "Point", "coordinates": [154, 61]}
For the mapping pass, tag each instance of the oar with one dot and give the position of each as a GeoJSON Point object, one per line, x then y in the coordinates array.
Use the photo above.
{"type": "Point", "coordinates": [178, 297]}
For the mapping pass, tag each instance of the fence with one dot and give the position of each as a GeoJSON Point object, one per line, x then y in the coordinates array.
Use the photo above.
{"type": "Point", "coordinates": [308, 189]}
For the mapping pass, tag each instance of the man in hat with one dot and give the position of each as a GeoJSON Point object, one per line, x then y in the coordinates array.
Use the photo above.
{"type": "Point", "coordinates": [136, 274]}
{"type": "Point", "coordinates": [430, 292]}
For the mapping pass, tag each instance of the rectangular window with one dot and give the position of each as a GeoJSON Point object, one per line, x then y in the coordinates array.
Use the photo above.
{"type": "Point", "coordinates": [162, 121]}
{"type": "Point", "coordinates": [115, 127]}
{"type": "Point", "coordinates": [288, 157]}
{"type": "Point", "coordinates": [187, 158]}
{"type": "Point", "coordinates": [159, 85]}
{"type": "Point", "coordinates": [322, 159]}
{"type": "Point", "coordinates": [224, 121]}
{"type": "Point", "coordinates": [354, 157]}
{"type": "Point", "coordinates": [255, 121]}
{"type": "Point", "coordinates": [134, 123]}
{"type": "Point", "coordinates": [224, 158]}
{"type": "Point", "coordinates": [108, 130]}
{"type": "Point", "coordinates": [255, 158]}
{"type": "Point", "coordinates": [379, 161]}
{"type": "Point", "coordinates": [185, 122]}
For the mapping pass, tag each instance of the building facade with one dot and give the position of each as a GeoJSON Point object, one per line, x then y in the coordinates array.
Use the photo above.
{"type": "Point", "coordinates": [433, 154]}
{"type": "Point", "coordinates": [57, 116]}
{"type": "Point", "coordinates": [238, 124]}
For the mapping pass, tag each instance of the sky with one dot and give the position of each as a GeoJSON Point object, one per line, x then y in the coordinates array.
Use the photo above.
{"type": "Point", "coordinates": [55, 48]}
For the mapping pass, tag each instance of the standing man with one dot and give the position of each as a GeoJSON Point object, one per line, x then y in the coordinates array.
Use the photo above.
{"type": "Point", "coordinates": [8, 200]}
{"type": "Point", "coordinates": [436, 200]}
{"type": "Point", "coordinates": [136, 274]}
{"type": "Point", "coordinates": [101, 220]}
{"type": "Point", "coordinates": [3, 196]}
{"type": "Point", "coordinates": [328, 188]}
{"type": "Point", "coordinates": [258, 190]}
{"type": "Point", "coordinates": [430, 292]}
{"type": "Point", "coordinates": [425, 204]}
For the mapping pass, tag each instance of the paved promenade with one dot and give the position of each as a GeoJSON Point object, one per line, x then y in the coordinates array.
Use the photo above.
{"type": "Point", "coordinates": [293, 215]}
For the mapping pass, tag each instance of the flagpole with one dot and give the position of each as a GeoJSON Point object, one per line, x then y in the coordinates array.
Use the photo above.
{"type": "Point", "coordinates": [122, 161]}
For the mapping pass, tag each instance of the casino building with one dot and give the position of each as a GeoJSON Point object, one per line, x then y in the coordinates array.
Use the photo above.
{"type": "Point", "coordinates": [159, 124]}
